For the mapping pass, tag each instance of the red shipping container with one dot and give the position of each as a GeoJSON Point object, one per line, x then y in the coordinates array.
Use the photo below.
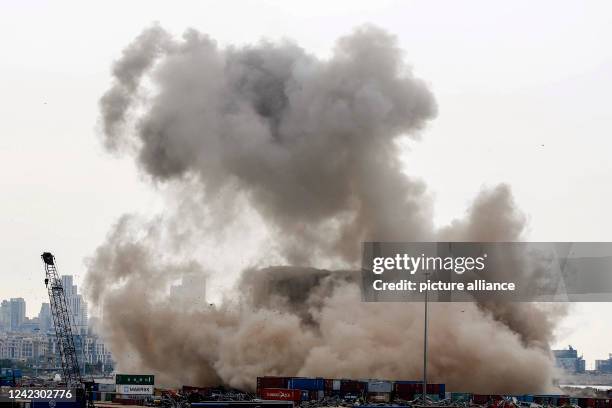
{"type": "Point", "coordinates": [407, 388]}
{"type": "Point", "coordinates": [271, 382]}
{"type": "Point", "coordinates": [353, 387]}
{"type": "Point", "coordinates": [586, 402]}
{"type": "Point", "coordinates": [408, 391]}
{"type": "Point", "coordinates": [281, 394]}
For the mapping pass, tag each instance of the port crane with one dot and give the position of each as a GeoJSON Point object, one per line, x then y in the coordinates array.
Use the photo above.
{"type": "Point", "coordinates": [63, 329]}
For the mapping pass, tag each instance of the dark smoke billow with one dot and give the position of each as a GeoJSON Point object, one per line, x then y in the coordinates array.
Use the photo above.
{"type": "Point", "coordinates": [311, 146]}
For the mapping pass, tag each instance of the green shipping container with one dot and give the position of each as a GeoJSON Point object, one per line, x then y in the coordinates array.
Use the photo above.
{"type": "Point", "coordinates": [135, 379]}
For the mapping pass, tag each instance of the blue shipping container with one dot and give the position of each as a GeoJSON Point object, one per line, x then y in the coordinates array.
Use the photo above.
{"type": "Point", "coordinates": [310, 384]}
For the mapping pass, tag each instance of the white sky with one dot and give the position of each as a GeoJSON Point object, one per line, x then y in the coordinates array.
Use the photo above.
{"type": "Point", "coordinates": [524, 90]}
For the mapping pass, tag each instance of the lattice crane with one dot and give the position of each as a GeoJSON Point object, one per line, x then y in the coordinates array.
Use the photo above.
{"type": "Point", "coordinates": [61, 319]}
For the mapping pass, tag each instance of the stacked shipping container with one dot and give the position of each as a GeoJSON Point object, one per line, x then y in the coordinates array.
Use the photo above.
{"type": "Point", "coordinates": [381, 391]}
{"type": "Point", "coordinates": [371, 390]}
{"type": "Point", "coordinates": [409, 390]}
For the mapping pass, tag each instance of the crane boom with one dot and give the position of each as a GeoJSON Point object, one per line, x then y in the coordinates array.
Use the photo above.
{"type": "Point", "coordinates": [61, 319]}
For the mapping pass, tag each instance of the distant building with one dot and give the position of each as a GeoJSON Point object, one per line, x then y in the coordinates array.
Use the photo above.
{"type": "Point", "coordinates": [42, 350]}
{"type": "Point", "coordinates": [95, 352]}
{"type": "Point", "coordinates": [604, 366]}
{"type": "Point", "coordinates": [23, 347]}
{"type": "Point", "coordinates": [45, 320]}
{"type": "Point", "coordinates": [76, 305]}
{"type": "Point", "coordinates": [569, 360]}
{"type": "Point", "coordinates": [5, 316]}
{"type": "Point", "coordinates": [17, 313]}
{"type": "Point", "coordinates": [30, 325]}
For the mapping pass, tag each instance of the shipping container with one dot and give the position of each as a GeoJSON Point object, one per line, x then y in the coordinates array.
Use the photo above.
{"type": "Point", "coordinates": [602, 403]}
{"type": "Point", "coordinates": [336, 385]}
{"type": "Point", "coordinates": [586, 403]}
{"type": "Point", "coordinates": [409, 390]}
{"type": "Point", "coordinates": [376, 386]}
{"type": "Point", "coordinates": [310, 384]}
{"type": "Point", "coordinates": [352, 387]}
{"type": "Point", "coordinates": [552, 399]}
{"type": "Point", "coordinates": [281, 394]}
{"type": "Point", "coordinates": [329, 386]}
{"type": "Point", "coordinates": [105, 387]}
{"type": "Point", "coordinates": [272, 382]}
{"type": "Point", "coordinates": [480, 399]}
{"type": "Point", "coordinates": [379, 397]}
{"type": "Point", "coordinates": [107, 396]}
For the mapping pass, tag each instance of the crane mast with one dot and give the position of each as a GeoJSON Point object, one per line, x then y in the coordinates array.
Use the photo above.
{"type": "Point", "coordinates": [61, 319]}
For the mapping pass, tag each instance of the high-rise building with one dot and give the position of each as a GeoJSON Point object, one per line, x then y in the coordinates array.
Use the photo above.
{"type": "Point", "coordinates": [18, 312]}
{"type": "Point", "coordinates": [45, 320]}
{"type": "Point", "coordinates": [604, 366]}
{"type": "Point", "coordinates": [76, 304]}
{"type": "Point", "coordinates": [5, 316]}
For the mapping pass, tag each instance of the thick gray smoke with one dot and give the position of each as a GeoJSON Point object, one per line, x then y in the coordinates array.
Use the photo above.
{"type": "Point", "coordinates": [311, 146]}
{"type": "Point", "coordinates": [310, 142]}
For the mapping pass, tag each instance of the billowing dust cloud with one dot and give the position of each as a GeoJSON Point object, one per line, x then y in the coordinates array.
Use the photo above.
{"type": "Point", "coordinates": [309, 145]}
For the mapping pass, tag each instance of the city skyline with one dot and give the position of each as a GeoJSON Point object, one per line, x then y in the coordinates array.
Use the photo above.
{"type": "Point", "coordinates": [33, 338]}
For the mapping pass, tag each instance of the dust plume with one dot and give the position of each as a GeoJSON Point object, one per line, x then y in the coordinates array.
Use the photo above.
{"type": "Point", "coordinates": [309, 146]}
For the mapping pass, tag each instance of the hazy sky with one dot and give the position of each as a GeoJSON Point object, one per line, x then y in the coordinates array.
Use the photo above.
{"type": "Point", "coordinates": [524, 91]}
